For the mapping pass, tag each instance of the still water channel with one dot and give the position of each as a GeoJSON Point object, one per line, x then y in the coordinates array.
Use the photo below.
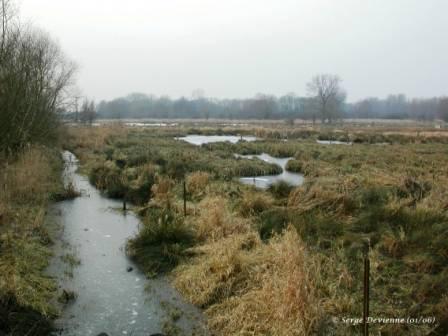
{"type": "Point", "coordinates": [112, 295]}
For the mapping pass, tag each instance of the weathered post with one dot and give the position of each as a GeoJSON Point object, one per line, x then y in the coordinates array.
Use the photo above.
{"type": "Point", "coordinates": [185, 198]}
{"type": "Point", "coordinates": [365, 316]}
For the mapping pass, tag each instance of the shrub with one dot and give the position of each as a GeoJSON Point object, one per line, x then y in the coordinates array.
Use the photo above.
{"type": "Point", "coordinates": [140, 190]}
{"type": "Point", "coordinates": [176, 168]}
{"type": "Point", "coordinates": [271, 222]}
{"type": "Point", "coordinates": [280, 189]}
{"type": "Point", "coordinates": [370, 219]}
{"type": "Point", "coordinates": [373, 196]}
{"type": "Point", "coordinates": [327, 137]}
{"type": "Point", "coordinates": [254, 167]}
{"type": "Point", "coordinates": [161, 243]}
{"type": "Point", "coordinates": [294, 166]}
{"type": "Point", "coordinates": [138, 159]}
{"type": "Point", "coordinates": [411, 187]}
{"type": "Point", "coordinates": [68, 192]}
{"type": "Point", "coordinates": [108, 178]}
{"type": "Point", "coordinates": [315, 225]}
{"type": "Point", "coordinates": [109, 152]}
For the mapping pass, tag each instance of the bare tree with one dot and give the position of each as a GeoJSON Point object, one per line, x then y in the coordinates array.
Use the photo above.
{"type": "Point", "coordinates": [34, 76]}
{"type": "Point", "coordinates": [328, 96]}
{"type": "Point", "coordinates": [88, 112]}
{"type": "Point", "coordinates": [5, 13]}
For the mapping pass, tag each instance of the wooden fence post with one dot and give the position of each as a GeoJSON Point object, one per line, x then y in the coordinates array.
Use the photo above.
{"type": "Point", "coordinates": [365, 316]}
{"type": "Point", "coordinates": [185, 198]}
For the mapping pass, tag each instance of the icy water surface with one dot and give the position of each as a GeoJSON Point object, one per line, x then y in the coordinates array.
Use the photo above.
{"type": "Point", "coordinates": [204, 139]}
{"type": "Point", "coordinates": [263, 182]}
{"type": "Point", "coordinates": [333, 142]}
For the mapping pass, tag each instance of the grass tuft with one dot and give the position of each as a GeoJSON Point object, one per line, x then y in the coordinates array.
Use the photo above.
{"type": "Point", "coordinates": [161, 243]}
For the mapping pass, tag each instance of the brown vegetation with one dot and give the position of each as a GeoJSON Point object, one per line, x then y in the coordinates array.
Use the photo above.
{"type": "Point", "coordinates": [28, 184]}
{"type": "Point", "coordinates": [287, 262]}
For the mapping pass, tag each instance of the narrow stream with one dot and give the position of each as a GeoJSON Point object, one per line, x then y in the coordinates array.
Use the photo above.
{"type": "Point", "coordinates": [112, 295]}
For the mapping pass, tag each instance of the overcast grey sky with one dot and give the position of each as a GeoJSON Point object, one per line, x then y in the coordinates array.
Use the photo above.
{"type": "Point", "coordinates": [237, 48]}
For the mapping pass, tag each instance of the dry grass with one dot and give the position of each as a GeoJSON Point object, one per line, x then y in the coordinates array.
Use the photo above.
{"type": "Point", "coordinates": [325, 194]}
{"type": "Point", "coordinates": [218, 273]}
{"type": "Point", "coordinates": [163, 192]}
{"type": "Point", "coordinates": [251, 288]}
{"type": "Point", "coordinates": [216, 221]}
{"type": "Point", "coordinates": [29, 179]}
{"type": "Point", "coordinates": [197, 183]}
{"type": "Point", "coordinates": [86, 141]}
{"type": "Point", "coordinates": [27, 184]}
{"type": "Point", "coordinates": [286, 301]}
{"type": "Point", "coordinates": [394, 243]}
{"type": "Point", "coordinates": [94, 138]}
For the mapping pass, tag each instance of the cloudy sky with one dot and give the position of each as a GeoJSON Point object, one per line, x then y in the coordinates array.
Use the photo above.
{"type": "Point", "coordinates": [237, 48]}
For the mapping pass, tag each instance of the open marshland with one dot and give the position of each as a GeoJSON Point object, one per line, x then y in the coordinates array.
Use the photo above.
{"type": "Point", "coordinates": [187, 169]}
{"type": "Point", "coordinates": [231, 248]}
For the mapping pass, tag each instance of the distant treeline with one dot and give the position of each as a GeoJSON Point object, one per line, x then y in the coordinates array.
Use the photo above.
{"type": "Point", "coordinates": [263, 106]}
{"type": "Point", "coordinates": [399, 107]}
